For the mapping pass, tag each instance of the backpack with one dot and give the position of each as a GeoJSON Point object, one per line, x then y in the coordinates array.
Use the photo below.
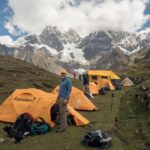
{"type": "Point", "coordinates": [54, 112]}
{"type": "Point", "coordinates": [40, 127]}
{"type": "Point", "coordinates": [97, 138]}
{"type": "Point", "coordinates": [70, 119]}
{"type": "Point", "coordinates": [21, 126]}
{"type": "Point", "coordinates": [102, 91]}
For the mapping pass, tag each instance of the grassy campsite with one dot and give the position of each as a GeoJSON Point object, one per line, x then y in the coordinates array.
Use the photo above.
{"type": "Point", "coordinates": [124, 117]}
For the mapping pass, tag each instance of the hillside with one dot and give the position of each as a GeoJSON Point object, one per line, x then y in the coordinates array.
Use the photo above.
{"type": "Point", "coordinates": [133, 123]}
{"type": "Point", "coordinates": [20, 74]}
{"type": "Point", "coordinates": [139, 72]}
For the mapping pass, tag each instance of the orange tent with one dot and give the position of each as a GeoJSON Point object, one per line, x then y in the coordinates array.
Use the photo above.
{"type": "Point", "coordinates": [36, 102]}
{"type": "Point", "coordinates": [104, 82]}
{"type": "Point", "coordinates": [78, 100]}
{"type": "Point", "coordinates": [93, 88]}
{"type": "Point", "coordinates": [127, 82]}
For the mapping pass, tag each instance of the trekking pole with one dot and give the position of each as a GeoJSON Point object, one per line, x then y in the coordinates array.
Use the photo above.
{"type": "Point", "coordinates": [112, 100]}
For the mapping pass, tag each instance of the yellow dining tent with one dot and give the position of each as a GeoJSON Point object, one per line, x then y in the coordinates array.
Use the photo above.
{"type": "Point", "coordinates": [95, 75]}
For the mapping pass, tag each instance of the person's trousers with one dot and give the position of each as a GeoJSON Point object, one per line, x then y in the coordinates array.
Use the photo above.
{"type": "Point", "coordinates": [87, 89]}
{"type": "Point", "coordinates": [62, 116]}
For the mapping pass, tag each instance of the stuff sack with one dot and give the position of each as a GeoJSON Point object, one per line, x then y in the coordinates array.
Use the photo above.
{"type": "Point", "coordinates": [97, 138]}
{"type": "Point", "coordinates": [22, 124]}
{"type": "Point", "coordinates": [40, 127]}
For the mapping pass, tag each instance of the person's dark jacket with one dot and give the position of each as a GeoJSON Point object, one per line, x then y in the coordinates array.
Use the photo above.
{"type": "Point", "coordinates": [85, 79]}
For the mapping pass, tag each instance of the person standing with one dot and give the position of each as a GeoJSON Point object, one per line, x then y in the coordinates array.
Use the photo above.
{"type": "Point", "coordinates": [74, 75]}
{"type": "Point", "coordinates": [86, 84]}
{"type": "Point", "coordinates": [62, 101]}
{"type": "Point", "coordinates": [80, 77]}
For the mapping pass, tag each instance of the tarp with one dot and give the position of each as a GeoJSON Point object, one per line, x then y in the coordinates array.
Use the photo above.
{"type": "Point", "coordinates": [36, 102]}
{"type": "Point", "coordinates": [78, 100]}
{"type": "Point", "coordinates": [104, 82]}
{"type": "Point", "coordinates": [104, 73]}
{"type": "Point", "coordinates": [127, 82]}
{"type": "Point", "coordinates": [93, 88]}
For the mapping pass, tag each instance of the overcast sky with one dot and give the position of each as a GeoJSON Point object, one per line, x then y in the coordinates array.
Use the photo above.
{"type": "Point", "coordinates": [20, 17]}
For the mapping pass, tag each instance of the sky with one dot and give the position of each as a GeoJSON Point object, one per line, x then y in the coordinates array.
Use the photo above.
{"type": "Point", "coordinates": [22, 17]}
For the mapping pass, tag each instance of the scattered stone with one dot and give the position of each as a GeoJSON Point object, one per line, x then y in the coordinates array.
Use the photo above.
{"type": "Point", "coordinates": [132, 116]}
{"type": "Point", "coordinates": [2, 140]}
{"type": "Point", "coordinates": [128, 102]}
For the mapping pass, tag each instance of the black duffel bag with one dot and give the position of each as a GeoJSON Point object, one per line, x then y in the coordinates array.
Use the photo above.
{"type": "Point", "coordinates": [97, 138]}
{"type": "Point", "coordinates": [22, 125]}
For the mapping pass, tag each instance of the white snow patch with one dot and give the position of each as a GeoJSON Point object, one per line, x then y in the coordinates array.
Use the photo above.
{"type": "Point", "coordinates": [129, 41]}
{"type": "Point", "coordinates": [136, 50]}
{"type": "Point", "coordinates": [124, 50]}
{"type": "Point", "coordinates": [143, 36]}
{"type": "Point", "coordinates": [109, 35]}
{"type": "Point", "coordinates": [71, 53]}
{"type": "Point", "coordinates": [79, 71]}
{"type": "Point", "coordinates": [51, 50]}
{"type": "Point", "coordinates": [20, 42]}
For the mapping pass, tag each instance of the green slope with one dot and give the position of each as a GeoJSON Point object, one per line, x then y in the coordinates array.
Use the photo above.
{"type": "Point", "coordinates": [133, 125]}
{"type": "Point", "coordinates": [20, 74]}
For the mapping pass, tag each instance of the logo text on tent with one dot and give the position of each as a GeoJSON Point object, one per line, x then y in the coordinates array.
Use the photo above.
{"type": "Point", "coordinates": [24, 99]}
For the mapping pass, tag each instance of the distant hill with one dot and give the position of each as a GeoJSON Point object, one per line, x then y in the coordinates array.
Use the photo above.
{"type": "Point", "coordinates": [138, 71]}
{"type": "Point", "coordinates": [16, 74]}
{"type": "Point", "coordinates": [20, 74]}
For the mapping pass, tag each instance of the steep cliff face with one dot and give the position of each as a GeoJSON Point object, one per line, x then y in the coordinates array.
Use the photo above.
{"type": "Point", "coordinates": [113, 59]}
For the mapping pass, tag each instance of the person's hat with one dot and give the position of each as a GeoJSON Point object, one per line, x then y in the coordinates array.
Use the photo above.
{"type": "Point", "coordinates": [64, 72]}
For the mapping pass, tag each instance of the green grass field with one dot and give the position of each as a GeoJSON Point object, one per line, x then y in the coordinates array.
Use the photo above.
{"type": "Point", "coordinates": [103, 118]}
{"type": "Point", "coordinates": [126, 121]}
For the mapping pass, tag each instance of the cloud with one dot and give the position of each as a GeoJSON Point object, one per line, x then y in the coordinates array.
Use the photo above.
{"type": "Point", "coordinates": [145, 30]}
{"type": "Point", "coordinates": [84, 16]}
{"type": "Point", "coordinates": [12, 30]}
{"type": "Point", "coordinates": [6, 40]}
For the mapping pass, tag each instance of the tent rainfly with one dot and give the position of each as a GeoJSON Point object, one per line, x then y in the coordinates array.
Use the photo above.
{"type": "Point", "coordinates": [104, 83]}
{"type": "Point", "coordinates": [127, 82]}
{"type": "Point", "coordinates": [78, 100]}
{"type": "Point", "coordinates": [93, 88]}
{"type": "Point", "coordinates": [36, 102]}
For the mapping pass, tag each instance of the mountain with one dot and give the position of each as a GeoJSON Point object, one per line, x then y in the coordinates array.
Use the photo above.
{"type": "Point", "coordinates": [113, 59]}
{"type": "Point", "coordinates": [4, 50]}
{"type": "Point", "coordinates": [143, 54]}
{"type": "Point", "coordinates": [103, 42]}
{"type": "Point", "coordinates": [54, 50]}
{"type": "Point", "coordinates": [110, 50]}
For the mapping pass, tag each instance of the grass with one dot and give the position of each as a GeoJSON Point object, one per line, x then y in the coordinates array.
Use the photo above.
{"type": "Point", "coordinates": [118, 121]}
{"type": "Point", "coordinates": [100, 119]}
{"type": "Point", "coordinates": [133, 124]}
